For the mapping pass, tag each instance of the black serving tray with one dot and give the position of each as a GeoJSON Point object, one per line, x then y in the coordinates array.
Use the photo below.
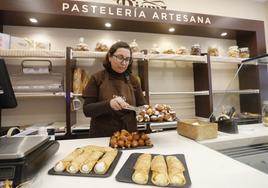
{"type": "Point", "coordinates": [92, 173]}
{"type": "Point", "coordinates": [125, 173]}
{"type": "Point", "coordinates": [133, 148]}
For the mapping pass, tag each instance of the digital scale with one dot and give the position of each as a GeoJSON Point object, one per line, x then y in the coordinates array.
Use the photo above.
{"type": "Point", "coordinates": [22, 157]}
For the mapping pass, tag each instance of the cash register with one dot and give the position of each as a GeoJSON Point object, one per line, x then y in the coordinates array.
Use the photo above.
{"type": "Point", "coordinates": [20, 157]}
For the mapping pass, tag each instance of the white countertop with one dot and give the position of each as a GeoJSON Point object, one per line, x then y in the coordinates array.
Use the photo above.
{"type": "Point", "coordinates": [249, 134]}
{"type": "Point", "coordinates": [207, 168]}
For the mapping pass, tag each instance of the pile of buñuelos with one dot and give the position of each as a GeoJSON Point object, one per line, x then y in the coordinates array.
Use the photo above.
{"type": "Point", "coordinates": [158, 113]}
{"type": "Point", "coordinates": [124, 139]}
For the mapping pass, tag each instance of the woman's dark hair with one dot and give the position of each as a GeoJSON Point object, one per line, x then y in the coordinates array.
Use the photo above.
{"type": "Point", "coordinates": [112, 50]}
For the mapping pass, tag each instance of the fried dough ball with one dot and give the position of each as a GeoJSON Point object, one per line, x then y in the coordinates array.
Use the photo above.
{"type": "Point", "coordinates": [134, 143]}
{"type": "Point", "coordinates": [149, 111]}
{"type": "Point", "coordinates": [121, 143]}
{"type": "Point", "coordinates": [144, 136]}
{"type": "Point", "coordinates": [146, 118]}
{"type": "Point", "coordinates": [141, 142]}
{"type": "Point", "coordinates": [128, 144]}
{"type": "Point", "coordinates": [140, 118]}
{"type": "Point", "coordinates": [136, 136]}
{"type": "Point", "coordinates": [154, 118]}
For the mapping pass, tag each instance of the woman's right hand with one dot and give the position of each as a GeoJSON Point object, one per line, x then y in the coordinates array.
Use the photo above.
{"type": "Point", "coordinates": [118, 103]}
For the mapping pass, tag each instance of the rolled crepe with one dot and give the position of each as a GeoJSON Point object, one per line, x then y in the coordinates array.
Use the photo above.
{"type": "Point", "coordinates": [159, 171]}
{"type": "Point", "coordinates": [175, 171]}
{"type": "Point", "coordinates": [62, 164]}
{"type": "Point", "coordinates": [97, 148]}
{"type": "Point", "coordinates": [142, 168]}
{"type": "Point", "coordinates": [76, 164]}
{"type": "Point", "coordinates": [105, 162]}
{"type": "Point", "coordinates": [89, 163]}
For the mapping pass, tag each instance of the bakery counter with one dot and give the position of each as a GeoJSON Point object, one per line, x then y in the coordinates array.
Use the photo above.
{"type": "Point", "coordinates": [249, 134]}
{"type": "Point", "coordinates": [207, 168]}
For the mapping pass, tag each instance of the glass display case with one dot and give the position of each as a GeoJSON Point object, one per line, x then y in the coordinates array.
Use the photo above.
{"type": "Point", "coordinates": [242, 101]}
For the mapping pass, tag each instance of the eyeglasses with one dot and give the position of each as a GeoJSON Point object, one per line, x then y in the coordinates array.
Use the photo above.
{"type": "Point", "coordinates": [121, 58]}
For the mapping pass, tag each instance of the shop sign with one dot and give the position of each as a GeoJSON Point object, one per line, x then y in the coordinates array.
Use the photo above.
{"type": "Point", "coordinates": [155, 4]}
{"type": "Point", "coordinates": [132, 12]}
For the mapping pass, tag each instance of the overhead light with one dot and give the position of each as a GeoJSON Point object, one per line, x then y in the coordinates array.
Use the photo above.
{"type": "Point", "coordinates": [108, 24]}
{"type": "Point", "coordinates": [33, 20]}
{"type": "Point", "coordinates": [224, 34]}
{"type": "Point", "coordinates": [172, 29]}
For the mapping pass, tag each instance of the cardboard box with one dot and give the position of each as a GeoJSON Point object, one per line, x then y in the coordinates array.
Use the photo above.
{"type": "Point", "coordinates": [196, 129]}
{"type": "Point", "coordinates": [21, 43]}
{"type": "Point", "coordinates": [4, 41]}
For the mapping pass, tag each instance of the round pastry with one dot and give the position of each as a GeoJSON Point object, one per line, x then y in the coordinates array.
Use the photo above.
{"type": "Point", "coordinates": [160, 117]}
{"type": "Point", "coordinates": [116, 134]}
{"type": "Point", "coordinates": [159, 107]}
{"type": "Point", "coordinates": [134, 143]}
{"type": "Point", "coordinates": [154, 118]}
{"type": "Point", "coordinates": [136, 136]}
{"type": "Point", "coordinates": [140, 118]}
{"type": "Point", "coordinates": [121, 143]}
{"type": "Point", "coordinates": [156, 112]}
{"type": "Point", "coordinates": [149, 111]}
{"type": "Point", "coordinates": [167, 117]}
{"type": "Point", "coordinates": [141, 142]}
{"type": "Point", "coordinates": [130, 137]}
{"type": "Point", "coordinates": [128, 143]}
{"type": "Point", "coordinates": [142, 113]}
{"type": "Point", "coordinates": [168, 107]}
{"type": "Point", "coordinates": [146, 118]}
{"type": "Point", "coordinates": [144, 136]}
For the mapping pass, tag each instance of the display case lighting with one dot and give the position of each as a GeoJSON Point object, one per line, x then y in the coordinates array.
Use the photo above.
{"type": "Point", "coordinates": [172, 29]}
{"type": "Point", "coordinates": [108, 25]}
{"type": "Point", "coordinates": [224, 34]}
{"type": "Point", "coordinates": [33, 20]}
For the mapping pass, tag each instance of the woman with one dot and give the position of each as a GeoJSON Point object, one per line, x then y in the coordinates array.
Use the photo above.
{"type": "Point", "coordinates": [110, 91]}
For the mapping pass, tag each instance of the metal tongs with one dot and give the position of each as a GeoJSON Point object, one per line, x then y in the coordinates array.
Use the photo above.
{"type": "Point", "coordinates": [137, 109]}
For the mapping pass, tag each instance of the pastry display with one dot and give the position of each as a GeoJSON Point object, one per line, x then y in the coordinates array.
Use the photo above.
{"type": "Point", "coordinates": [168, 51]}
{"type": "Point", "coordinates": [175, 171]}
{"type": "Point", "coordinates": [123, 139]}
{"type": "Point", "coordinates": [182, 51]}
{"type": "Point", "coordinates": [134, 46]}
{"type": "Point", "coordinates": [233, 51]}
{"type": "Point", "coordinates": [81, 46]}
{"type": "Point", "coordinates": [101, 47]}
{"type": "Point", "coordinates": [155, 169]}
{"type": "Point", "coordinates": [63, 164]}
{"type": "Point", "coordinates": [90, 162]}
{"type": "Point", "coordinates": [196, 49]}
{"type": "Point", "coordinates": [142, 169]}
{"type": "Point", "coordinates": [159, 171]}
{"type": "Point", "coordinates": [105, 162]}
{"type": "Point", "coordinates": [244, 52]}
{"type": "Point", "coordinates": [155, 49]}
{"type": "Point", "coordinates": [84, 159]}
{"type": "Point", "coordinates": [158, 113]}
{"type": "Point", "coordinates": [213, 51]}
{"type": "Point", "coordinates": [77, 162]}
